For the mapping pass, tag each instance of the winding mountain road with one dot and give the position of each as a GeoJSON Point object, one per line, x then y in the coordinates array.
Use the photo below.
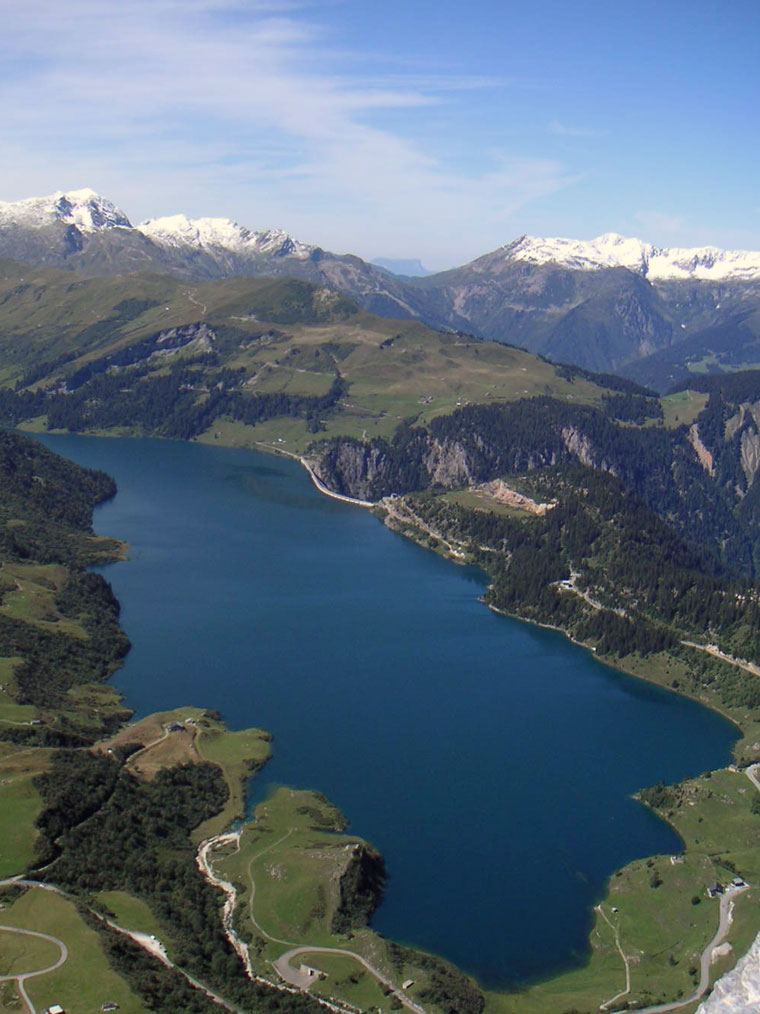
{"type": "Point", "coordinates": [297, 978]}
{"type": "Point", "coordinates": [291, 976]}
{"type": "Point", "coordinates": [21, 978]}
{"type": "Point", "coordinates": [724, 924]}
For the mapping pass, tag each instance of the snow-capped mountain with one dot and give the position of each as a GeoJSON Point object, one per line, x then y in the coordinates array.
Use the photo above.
{"type": "Point", "coordinates": [221, 234]}
{"type": "Point", "coordinates": [83, 231]}
{"type": "Point", "coordinates": [89, 212]}
{"type": "Point", "coordinates": [84, 209]}
{"type": "Point", "coordinates": [656, 312]}
{"type": "Point", "coordinates": [611, 250]}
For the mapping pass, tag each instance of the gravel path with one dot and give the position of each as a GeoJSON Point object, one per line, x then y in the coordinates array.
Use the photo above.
{"type": "Point", "coordinates": [21, 979]}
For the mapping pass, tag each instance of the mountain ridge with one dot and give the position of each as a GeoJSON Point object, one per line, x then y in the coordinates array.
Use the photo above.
{"type": "Point", "coordinates": [612, 304]}
{"type": "Point", "coordinates": [91, 212]}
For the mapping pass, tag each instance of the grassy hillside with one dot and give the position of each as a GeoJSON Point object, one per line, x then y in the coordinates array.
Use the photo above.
{"type": "Point", "coordinates": [239, 352]}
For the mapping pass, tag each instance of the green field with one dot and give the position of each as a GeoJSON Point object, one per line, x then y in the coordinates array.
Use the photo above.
{"type": "Point", "coordinates": [132, 913]}
{"type": "Point", "coordinates": [682, 409]}
{"type": "Point", "coordinates": [86, 981]}
{"type": "Point", "coordinates": [30, 591]}
{"type": "Point", "coordinates": [20, 953]}
{"type": "Point", "coordinates": [12, 713]}
{"type": "Point", "coordinates": [288, 870]}
{"type": "Point", "coordinates": [239, 754]}
{"type": "Point", "coordinates": [348, 978]}
{"type": "Point", "coordinates": [478, 499]}
{"type": "Point", "coordinates": [295, 867]}
{"type": "Point", "coordinates": [420, 375]}
{"type": "Point", "coordinates": [20, 804]}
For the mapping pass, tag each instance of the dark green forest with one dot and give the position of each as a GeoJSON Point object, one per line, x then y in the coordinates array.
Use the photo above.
{"type": "Point", "coordinates": [46, 506]}
{"type": "Point", "coordinates": [179, 405]}
{"type": "Point", "coordinates": [657, 465]}
{"type": "Point", "coordinates": [638, 587]}
{"type": "Point", "coordinates": [102, 829]}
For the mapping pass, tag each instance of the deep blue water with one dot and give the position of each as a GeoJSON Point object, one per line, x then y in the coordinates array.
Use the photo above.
{"type": "Point", "coordinates": [490, 761]}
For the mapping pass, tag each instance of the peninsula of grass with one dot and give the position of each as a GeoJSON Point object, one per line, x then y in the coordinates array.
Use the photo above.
{"type": "Point", "coordinates": [659, 909]}
{"type": "Point", "coordinates": [291, 859]}
{"type": "Point", "coordinates": [302, 881]}
{"type": "Point", "coordinates": [193, 736]}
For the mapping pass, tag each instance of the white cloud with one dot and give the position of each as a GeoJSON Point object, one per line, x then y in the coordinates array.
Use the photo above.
{"type": "Point", "coordinates": [240, 108]}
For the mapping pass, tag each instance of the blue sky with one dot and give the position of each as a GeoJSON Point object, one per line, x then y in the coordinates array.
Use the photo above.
{"type": "Point", "coordinates": [438, 130]}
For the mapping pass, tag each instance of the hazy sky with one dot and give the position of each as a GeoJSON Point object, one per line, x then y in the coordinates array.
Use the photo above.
{"type": "Point", "coordinates": [437, 129]}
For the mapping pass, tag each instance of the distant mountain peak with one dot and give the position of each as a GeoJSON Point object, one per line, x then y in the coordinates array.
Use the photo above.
{"type": "Point", "coordinates": [612, 250]}
{"type": "Point", "coordinates": [85, 209]}
{"type": "Point", "coordinates": [221, 234]}
{"type": "Point", "coordinates": [409, 267]}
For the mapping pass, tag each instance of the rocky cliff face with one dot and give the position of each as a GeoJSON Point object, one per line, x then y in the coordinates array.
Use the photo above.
{"type": "Point", "coordinates": [705, 487]}
{"type": "Point", "coordinates": [738, 992]}
{"type": "Point", "coordinates": [750, 451]}
{"type": "Point", "coordinates": [361, 888]}
{"type": "Point", "coordinates": [447, 464]}
{"type": "Point", "coordinates": [353, 469]}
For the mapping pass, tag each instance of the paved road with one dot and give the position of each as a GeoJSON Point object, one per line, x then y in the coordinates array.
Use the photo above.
{"type": "Point", "coordinates": [21, 979]}
{"type": "Point", "coordinates": [297, 978]}
{"type": "Point", "coordinates": [314, 477]}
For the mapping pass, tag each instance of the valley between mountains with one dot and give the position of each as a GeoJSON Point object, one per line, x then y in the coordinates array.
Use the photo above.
{"type": "Point", "coordinates": [612, 304]}
{"type": "Point", "coordinates": [625, 516]}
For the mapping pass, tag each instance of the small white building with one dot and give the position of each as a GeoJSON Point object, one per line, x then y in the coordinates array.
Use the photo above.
{"type": "Point", "coordinates": [312, 973]}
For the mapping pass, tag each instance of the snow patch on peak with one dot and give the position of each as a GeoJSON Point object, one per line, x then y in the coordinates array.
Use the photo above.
{"type": "Point", "coordinates": [85, 209]}
{"type": "Point", "coordinates": [705, 263]}
{"type": "Point", "coordinates": [615, 251]}
{"type": "Point", "coordinates": [608, 251]}
{"type": "Point", "coordinates": [88, 212]}
{"type": "Point", "coordinates": [221, 234]}
{"type": "Point", "coordinates": [279, 243]}
{"type": "Point", "coordinates": [179, 230]}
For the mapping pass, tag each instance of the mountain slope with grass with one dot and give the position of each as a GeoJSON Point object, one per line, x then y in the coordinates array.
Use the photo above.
{"type": "Point", "coordinates": [381, 406]}
{"type": "Point", "coordinates": [612, 304]}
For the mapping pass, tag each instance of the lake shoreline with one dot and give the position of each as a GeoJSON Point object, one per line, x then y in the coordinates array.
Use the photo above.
{"type": "Point", "coordinates": [552, 974]}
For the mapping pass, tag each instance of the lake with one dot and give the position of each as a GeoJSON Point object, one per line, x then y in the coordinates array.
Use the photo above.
{"type": "Point", "coordinates": [491, 762]}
